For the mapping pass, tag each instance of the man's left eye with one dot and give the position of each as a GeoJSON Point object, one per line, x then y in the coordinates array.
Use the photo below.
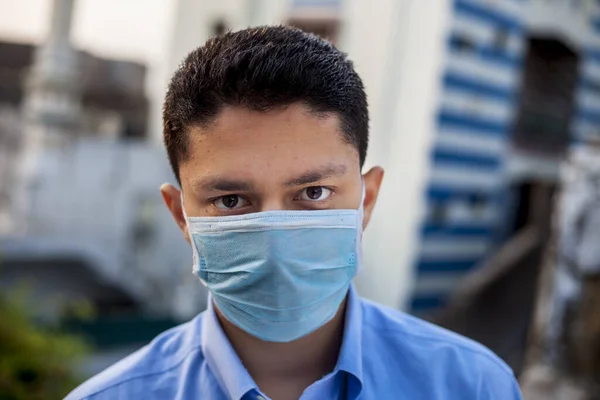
{"type": "Point", "coordinates": [315, 193]}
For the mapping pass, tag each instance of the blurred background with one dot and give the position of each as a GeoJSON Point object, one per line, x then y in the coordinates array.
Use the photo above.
{"type": "Point", "coordinates": [474, 105]}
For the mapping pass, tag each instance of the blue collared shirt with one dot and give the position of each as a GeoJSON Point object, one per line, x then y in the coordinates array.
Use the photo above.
{"type": "Point", "coordinates": [385, 354]}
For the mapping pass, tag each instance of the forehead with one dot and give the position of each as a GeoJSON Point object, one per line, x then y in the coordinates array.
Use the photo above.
{"type": "Point", "coordinates": [267, 145]}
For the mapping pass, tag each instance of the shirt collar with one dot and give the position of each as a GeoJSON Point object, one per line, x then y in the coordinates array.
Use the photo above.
{"type": "Point", "coordinates": [350, 358]}
{"type": "Point", "coordinates": [222, 358]}
{"type": "Point", "coordinates": [236, 380]}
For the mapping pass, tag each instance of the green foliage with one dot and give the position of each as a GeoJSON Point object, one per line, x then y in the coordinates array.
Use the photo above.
{"type": "Point", "coordinates": [36, 362]}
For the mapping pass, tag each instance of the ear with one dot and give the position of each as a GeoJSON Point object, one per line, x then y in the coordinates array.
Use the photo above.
{"type": "Point", "coordinates": [372, 180]}
{"type": "Point", "coordinates": [173, 199]}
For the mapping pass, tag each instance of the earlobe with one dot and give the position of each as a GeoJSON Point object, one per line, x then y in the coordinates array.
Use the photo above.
{"type": "Point", "coordinates": [372, 181]}
{"type": "Point", "coordinates": [173, 200]}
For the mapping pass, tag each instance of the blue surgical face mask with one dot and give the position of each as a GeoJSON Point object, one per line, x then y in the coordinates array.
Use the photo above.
{"type": "Point", "coordinates": [278, 275]}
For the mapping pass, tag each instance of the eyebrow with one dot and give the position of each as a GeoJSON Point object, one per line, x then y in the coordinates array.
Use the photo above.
{"type": "Point", "coordinates": [220, 184]}
{"type": "Point", "coordinates": [317, 174]}
{"type": "Point", "coordinates": [224, 185]}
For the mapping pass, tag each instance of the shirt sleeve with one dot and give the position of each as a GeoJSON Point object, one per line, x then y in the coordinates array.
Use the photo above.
{"type": "Point", "coordinates": [500, 386]}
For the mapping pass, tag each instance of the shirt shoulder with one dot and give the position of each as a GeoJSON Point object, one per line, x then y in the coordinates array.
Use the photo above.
{"type": "Point", "coordinates": [154, 364]}
{"type": "Point", "coordinates": [446, 361]}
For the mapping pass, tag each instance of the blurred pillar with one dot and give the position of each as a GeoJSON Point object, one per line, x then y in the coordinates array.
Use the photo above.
{"type": "Point", "coordinates": [563, 358]}
{"type": "Point", "coordinates": [51, 105]}
{"type": "Point", "coordinates": [52, 101]}
{"type": "Point", "coordinates": [60, 25]}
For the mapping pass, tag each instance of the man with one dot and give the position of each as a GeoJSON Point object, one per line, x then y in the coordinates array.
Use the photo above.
{"type": "Point", "coordinates": [266, 130]}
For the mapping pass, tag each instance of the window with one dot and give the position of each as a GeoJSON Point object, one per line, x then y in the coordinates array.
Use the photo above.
{"type": "Point", "coordinates": [144, 224]}
{"type": "Point", "coordinates": [501, 39]}
{"type": "Point", "coordinates": [547, 98]}
{"type": "Point", "coordinates": [439, 213]}
{"type": "Point", "coordinates": [463, 43]}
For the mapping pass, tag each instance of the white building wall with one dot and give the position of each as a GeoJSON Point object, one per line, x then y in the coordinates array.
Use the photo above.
{"type": "Point", "coordinates": [399, 52]}
{"type": "Point", "coordinates": [567, 20]}
{"type": "Point", "coordinates": [99, 202]}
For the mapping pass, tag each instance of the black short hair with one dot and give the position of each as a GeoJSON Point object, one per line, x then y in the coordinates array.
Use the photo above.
{"type": "Point", "coordinates": [263, 68]}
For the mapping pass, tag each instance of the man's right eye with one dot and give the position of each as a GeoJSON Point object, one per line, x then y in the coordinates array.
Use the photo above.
{"type": "Point", "coordinates": [230, 202]}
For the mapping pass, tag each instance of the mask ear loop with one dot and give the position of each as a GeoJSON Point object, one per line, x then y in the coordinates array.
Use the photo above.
{"type": "Point", "coordinates": [195, 255]}
{"type": "Point", "coordinates": [359, 229]}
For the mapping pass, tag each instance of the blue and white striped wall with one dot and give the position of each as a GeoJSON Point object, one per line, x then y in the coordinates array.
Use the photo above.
{"type": "Point", "coordinates": [586, 122]}
{"type": "Point", "coordinates": [468, 181]}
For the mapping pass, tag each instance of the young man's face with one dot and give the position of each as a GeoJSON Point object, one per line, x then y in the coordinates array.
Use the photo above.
{"type": "Point", "coordinates": [286, 159]}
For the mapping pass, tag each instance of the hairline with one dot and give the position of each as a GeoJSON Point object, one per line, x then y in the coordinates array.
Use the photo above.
{"type": "Point", "coordinates": [186, 131]}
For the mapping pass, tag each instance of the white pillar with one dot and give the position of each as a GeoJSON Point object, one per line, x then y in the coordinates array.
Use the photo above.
{"type": "Point", "coordinates": [51, 106]}
{"type": "Point", "coordinates": [399, 50]}
{"type": "Point", "coordinates": [60, 23]}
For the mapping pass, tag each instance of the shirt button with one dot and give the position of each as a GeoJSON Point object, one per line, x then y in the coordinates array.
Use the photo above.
{"type": "Point", "coordinates": [259, 397]}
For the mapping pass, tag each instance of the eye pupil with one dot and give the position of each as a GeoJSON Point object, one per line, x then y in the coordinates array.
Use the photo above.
{"type": "Point", "coordinates": [314, 193]}
{"type": "Point", "coordinates": [230, 201]}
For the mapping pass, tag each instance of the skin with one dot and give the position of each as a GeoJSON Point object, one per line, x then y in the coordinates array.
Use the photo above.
{"type": "Point", "coordinates": [284, 159]}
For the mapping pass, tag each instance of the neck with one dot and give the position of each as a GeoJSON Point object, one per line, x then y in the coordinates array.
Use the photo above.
{"type": "Point", "coordinates": [299, 363]}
